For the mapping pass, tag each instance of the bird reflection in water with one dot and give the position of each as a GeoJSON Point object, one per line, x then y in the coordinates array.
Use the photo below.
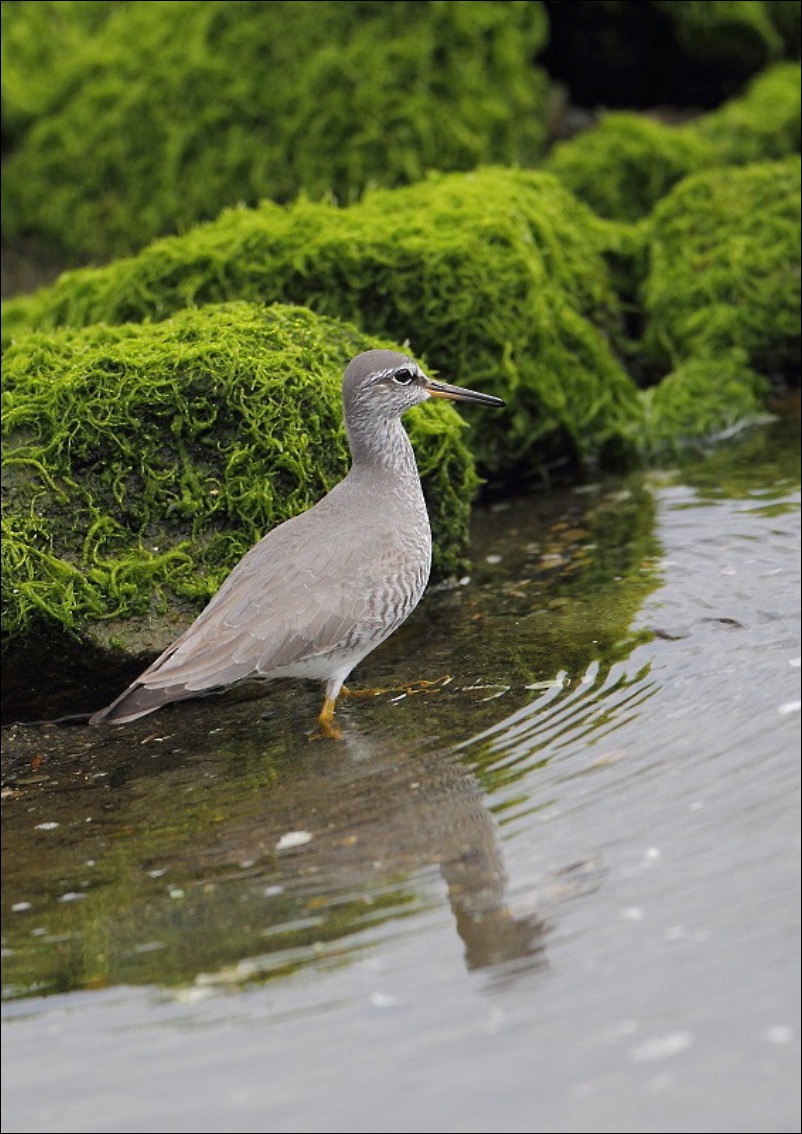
{"type": "Point", "coordinates": [371, 819]}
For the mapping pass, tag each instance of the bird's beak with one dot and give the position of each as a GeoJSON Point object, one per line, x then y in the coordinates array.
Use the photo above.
{"type": "Point", "coordinates": [458, 394]}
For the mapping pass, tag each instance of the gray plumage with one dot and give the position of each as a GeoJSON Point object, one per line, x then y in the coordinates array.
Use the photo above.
{"type": "Point", "coordinates": [323, 589]}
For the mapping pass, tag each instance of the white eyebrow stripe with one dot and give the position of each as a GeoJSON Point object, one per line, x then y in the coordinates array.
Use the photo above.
{"type": "Point", "coordinates": [382, 374]}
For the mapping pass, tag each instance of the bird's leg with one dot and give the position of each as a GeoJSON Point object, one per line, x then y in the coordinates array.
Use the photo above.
{"type": "Point", "coordinates": [325, 719]}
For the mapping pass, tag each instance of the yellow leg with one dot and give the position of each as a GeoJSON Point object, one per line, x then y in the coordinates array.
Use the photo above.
{"type": "Point", "coordinates": [325, 719]}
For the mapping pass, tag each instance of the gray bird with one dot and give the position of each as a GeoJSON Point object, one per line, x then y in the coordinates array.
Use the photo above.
{"type": "Point", "coordinates": [323, 589]}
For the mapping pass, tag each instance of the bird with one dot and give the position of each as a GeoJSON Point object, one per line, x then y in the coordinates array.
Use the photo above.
{"type": "Point", "coordinates": [323, 589]}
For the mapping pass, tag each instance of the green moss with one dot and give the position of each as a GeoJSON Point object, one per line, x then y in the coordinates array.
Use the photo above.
{"type": "Point", "coordinates": [498, 278]}
{"type": "Point", "coordinates": [626, 163]}
{"type": "Point", "coordinates": [172, 111]}
{"type": "Point", "coordinates": [41, 44]}
{"type": "Point", "coordinates": [623, 166]}
{"type": "Point", "coordinates": [763, 123]}
{"type": "Point", "coordinates": [141, 462]}
{"type": "Point", "coordinates": [724, 269]}
{"type": "Point", "coordinates": [699, 399]}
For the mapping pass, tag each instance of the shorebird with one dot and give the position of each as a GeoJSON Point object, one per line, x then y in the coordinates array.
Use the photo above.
{"type": "Point", "coordinates": [320, 591]}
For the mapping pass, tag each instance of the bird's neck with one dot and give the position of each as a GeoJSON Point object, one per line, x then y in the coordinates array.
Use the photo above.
{"type": "Point", "coordinates": [381, 446]}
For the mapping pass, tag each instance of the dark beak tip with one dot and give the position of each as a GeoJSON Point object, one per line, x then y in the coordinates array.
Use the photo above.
{"type": "Point", "coordinates": [460, 394]}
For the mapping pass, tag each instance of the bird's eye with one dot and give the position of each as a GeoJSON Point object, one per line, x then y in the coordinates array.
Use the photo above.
{"type": "Point", "coordinates": [403, 377]}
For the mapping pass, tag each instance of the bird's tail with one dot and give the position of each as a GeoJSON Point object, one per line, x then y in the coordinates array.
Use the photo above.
{"type": "Point", "coordinates": [137, 701]}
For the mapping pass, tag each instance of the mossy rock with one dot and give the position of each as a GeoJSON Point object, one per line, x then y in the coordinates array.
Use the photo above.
{"type": "Point", "coordinates": [141, 462]}
{"type": "Point", "coordinates": [41, 44]}
{"type": "Point", "coordinates": [724, 270]}
{"type": "Point", "coordinates": [499, 278]}
{"type": "Point", "coordinates": [624, 165]}
{"type": "Point", "coordinates": [700, 399]}
{"type": "Point", "coordinates": [763, 123]}
{"type": "Point", "coordinates": [170, 112]}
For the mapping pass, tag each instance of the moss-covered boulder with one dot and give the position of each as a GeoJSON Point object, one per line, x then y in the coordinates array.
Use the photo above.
{"type": "Point", "coordinates": [764, 122]}
{"type": "Point", "coordinates": [169, 112]}
{"type": "Point", "coordinates": [41, 45]}
{"type": "Point", "coordinates": [724, 269]}
{"type": "Point", "coordinates": [141, 462]}
{"type": "Point", "coordinates": [721, 300]}
{"type": "Point", "coordinates": [503, 281]}
{"type": "Point", "coordinates": [700, 399]}
{"type": "Point", "coordinates": [499, 278]}
{"type": "Point", "coordinates": [624, 165]}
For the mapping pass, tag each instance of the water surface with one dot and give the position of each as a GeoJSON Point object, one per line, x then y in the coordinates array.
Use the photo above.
{"type": "Point", "coordinates": [557, 891]}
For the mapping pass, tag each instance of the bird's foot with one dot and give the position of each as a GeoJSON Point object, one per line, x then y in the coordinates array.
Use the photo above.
{"type": "Point", "coordinates": [409, 689]}
{"type": "Point", "coordinates": [325, 718]}
{"type": "Point", "coordinates": [424, 686]}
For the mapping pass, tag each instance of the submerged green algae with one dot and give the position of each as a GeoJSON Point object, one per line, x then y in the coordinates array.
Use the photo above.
{"type": "Point", "coordinates": [141, 462]}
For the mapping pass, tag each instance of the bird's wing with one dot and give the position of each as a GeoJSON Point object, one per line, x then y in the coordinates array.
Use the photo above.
{"type": "Point", "coordinates": [291, 598]}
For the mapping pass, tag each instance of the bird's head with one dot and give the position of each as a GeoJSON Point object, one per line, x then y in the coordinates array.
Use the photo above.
{"type": "Point", "coordinates": [384, 383]}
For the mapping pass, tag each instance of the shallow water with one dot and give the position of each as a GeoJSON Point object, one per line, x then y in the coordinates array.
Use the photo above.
{"type": "Point", "coordinates": [556, 892]}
